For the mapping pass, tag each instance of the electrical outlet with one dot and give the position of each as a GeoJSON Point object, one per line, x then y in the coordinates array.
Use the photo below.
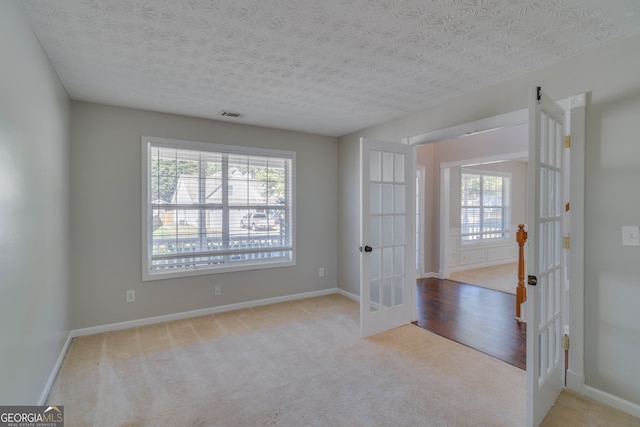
{"type": "Point", "coordinates": [631, 235]}
{"type": "Point", "coordinates": [321, 272]}
{"type": "Point", "coordinates": [131, 296]}
{"type": "Point", "coordinates": [217, 290]}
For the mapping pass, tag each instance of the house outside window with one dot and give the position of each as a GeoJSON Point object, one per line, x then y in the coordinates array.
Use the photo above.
{"type": "Point", "coordinates": [211, 208]}
{"type": "Point", "coordinates": [484, 205]}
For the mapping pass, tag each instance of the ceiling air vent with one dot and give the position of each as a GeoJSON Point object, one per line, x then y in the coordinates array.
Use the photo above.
{"type": "Point", "coordinates": [231, 114]}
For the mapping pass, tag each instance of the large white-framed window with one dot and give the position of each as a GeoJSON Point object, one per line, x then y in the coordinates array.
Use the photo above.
{"type": "Point", "coordinates": [210, 208]}
{"type": "Point", "coordinates": [484, 205]}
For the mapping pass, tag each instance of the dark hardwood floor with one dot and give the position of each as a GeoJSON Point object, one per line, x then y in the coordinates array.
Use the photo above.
{"type": "Point", "coordinates": [477, 317]}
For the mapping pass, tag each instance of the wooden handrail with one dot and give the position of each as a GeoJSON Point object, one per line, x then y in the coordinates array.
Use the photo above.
{"type": "Point", "coordinates": [521, 290]}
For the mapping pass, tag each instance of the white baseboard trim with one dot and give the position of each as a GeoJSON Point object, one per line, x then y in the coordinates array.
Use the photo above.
{"type": "Point", "coordinates": [611, 400]}
{"type": "Point", "coordinates": [575, 381]}
{"type": "Point", "coordinates": [54, 371]}
{"type": "Point", "coordinates": [432, 274]}
{"type": "Point", "coordinates": [465, 267]}
{"type": "Point", "coordinates": [166, 318]}
{"type": "Point", "coordinates": [194, 313]}
{"type": "Point", "coordinates": [349, 295]}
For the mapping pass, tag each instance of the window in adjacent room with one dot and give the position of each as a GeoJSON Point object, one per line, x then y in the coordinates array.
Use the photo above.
{"type": "Point", "coordinates": [484, 205]}
{"type": "Point", "coordinates": [211, 208]}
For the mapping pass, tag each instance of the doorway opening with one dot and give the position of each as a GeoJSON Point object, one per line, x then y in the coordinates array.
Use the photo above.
{"type": "Point", "coordinates": [478, 198]}
{"type": "Point", "coordinates": [500, 145]}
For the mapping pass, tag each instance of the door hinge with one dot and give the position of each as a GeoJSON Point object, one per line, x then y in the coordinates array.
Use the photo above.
{"type": "Point", "coordinates": [566, 342]}
{"type": "Point", "coordinates": [566, 242]}
{"type": "Point", "coordinates": [567, 141]}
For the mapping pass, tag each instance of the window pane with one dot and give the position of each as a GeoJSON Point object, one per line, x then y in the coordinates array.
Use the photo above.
{"type": "Point", "coordinates": [387, 262]}
{"type": "Point", "coordinates": [398, 261]}
{"type": "Point", "coordinates": [211, 165]}
{"type": "Point", "coordinates": [492, 191]}
{"type": "Point", "coordinates": [399, 230]}
{"type": "Point", "coordinates": [375, 230]}
{"type": "Point", "coordinates": [484, 205]}
{"type": "Point", "coordinates": [249, 176]}
{"type": "Point", "coordinates": [399, 167]}
{"type": "Point", "coordinates": [398, 198]}
{"type": "Point", "coordinates": [211, 208]}
{"type": "Point", "coordinates": [374, 296]}
{"type": "Point", "coordinates": [387, 167]}
{"type": "Point", "coordinates": [375, 265]}
{"type": "Point", "coordinates": [492, 220]}
{"type": "Point", "coordinates": [387, 293]}
{"type": "Point", "coordinates": [375, 166]}
{"type": "Point", "coordinates": [375, 202]}
{"type": "Point", "coordinates": [170, 168]}
{"type": "Point", "coordinates": [470, 220]}
{"type": "Point", "coordinates": [470, 190]}
{"type": "Point", "coordinates": [398, 287]}
{"type": "Point", "coordinates": [387, 198]}
{"type": "Point", "coordinates": [387, 230]}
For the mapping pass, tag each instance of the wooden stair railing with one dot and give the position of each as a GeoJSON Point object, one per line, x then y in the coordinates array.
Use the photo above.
{"type": "Point", "coordinates": [521, 290]}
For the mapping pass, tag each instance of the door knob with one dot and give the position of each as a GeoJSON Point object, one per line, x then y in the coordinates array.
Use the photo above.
{"type": "Point", "coordinates": [532, 280]}
{"type": "Point", "coordinates": [368, 249]}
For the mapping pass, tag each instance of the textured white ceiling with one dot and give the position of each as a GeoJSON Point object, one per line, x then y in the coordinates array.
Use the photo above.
{"type": "Point", "coordinates": [322, 66]}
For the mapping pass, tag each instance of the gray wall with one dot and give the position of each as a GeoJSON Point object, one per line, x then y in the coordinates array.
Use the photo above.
{"type": "Point", "coordinates": [34, 289]}
{"type": "Point", "coordinates": [612, 285]}
{"type": "Point", "coordinates": [105, 214]}
{"type": "Point", "coordinates": [612, 200]}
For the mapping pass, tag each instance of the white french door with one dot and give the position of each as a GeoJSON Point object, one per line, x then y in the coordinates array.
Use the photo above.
{"type": "Point", "coordinates": [387, 259]}
{"type": "Point", "coordinates": [545, 353]}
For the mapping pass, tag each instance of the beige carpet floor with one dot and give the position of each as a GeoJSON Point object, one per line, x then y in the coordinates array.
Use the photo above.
{"type": "Point", "coordinates": [502, 277]}
{"type": "Point", "coordinates": [298, 363]}
{"type": "Point", "coordinates": [573, 410]}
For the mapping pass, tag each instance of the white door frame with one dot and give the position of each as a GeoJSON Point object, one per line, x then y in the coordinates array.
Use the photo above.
{"type": "Point", "coordinates": [577, 106]}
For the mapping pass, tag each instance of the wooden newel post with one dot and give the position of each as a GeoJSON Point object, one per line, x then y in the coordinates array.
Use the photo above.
{"type": "Point", "coordinates": [521, 290]}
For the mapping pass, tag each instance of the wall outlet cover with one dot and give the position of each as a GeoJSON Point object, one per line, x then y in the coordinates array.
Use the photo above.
{"type": "Point", "coordinates": [631, 236]}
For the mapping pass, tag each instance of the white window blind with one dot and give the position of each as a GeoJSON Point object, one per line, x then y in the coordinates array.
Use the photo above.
{"type": "Point", "coordinates": [484, 205]}
{"type": "Point", "coordinates": [215, 208]}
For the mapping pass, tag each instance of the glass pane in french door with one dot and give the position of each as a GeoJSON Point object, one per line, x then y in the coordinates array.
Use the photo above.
{"type": "Point", "coordinates": [387, 224]}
